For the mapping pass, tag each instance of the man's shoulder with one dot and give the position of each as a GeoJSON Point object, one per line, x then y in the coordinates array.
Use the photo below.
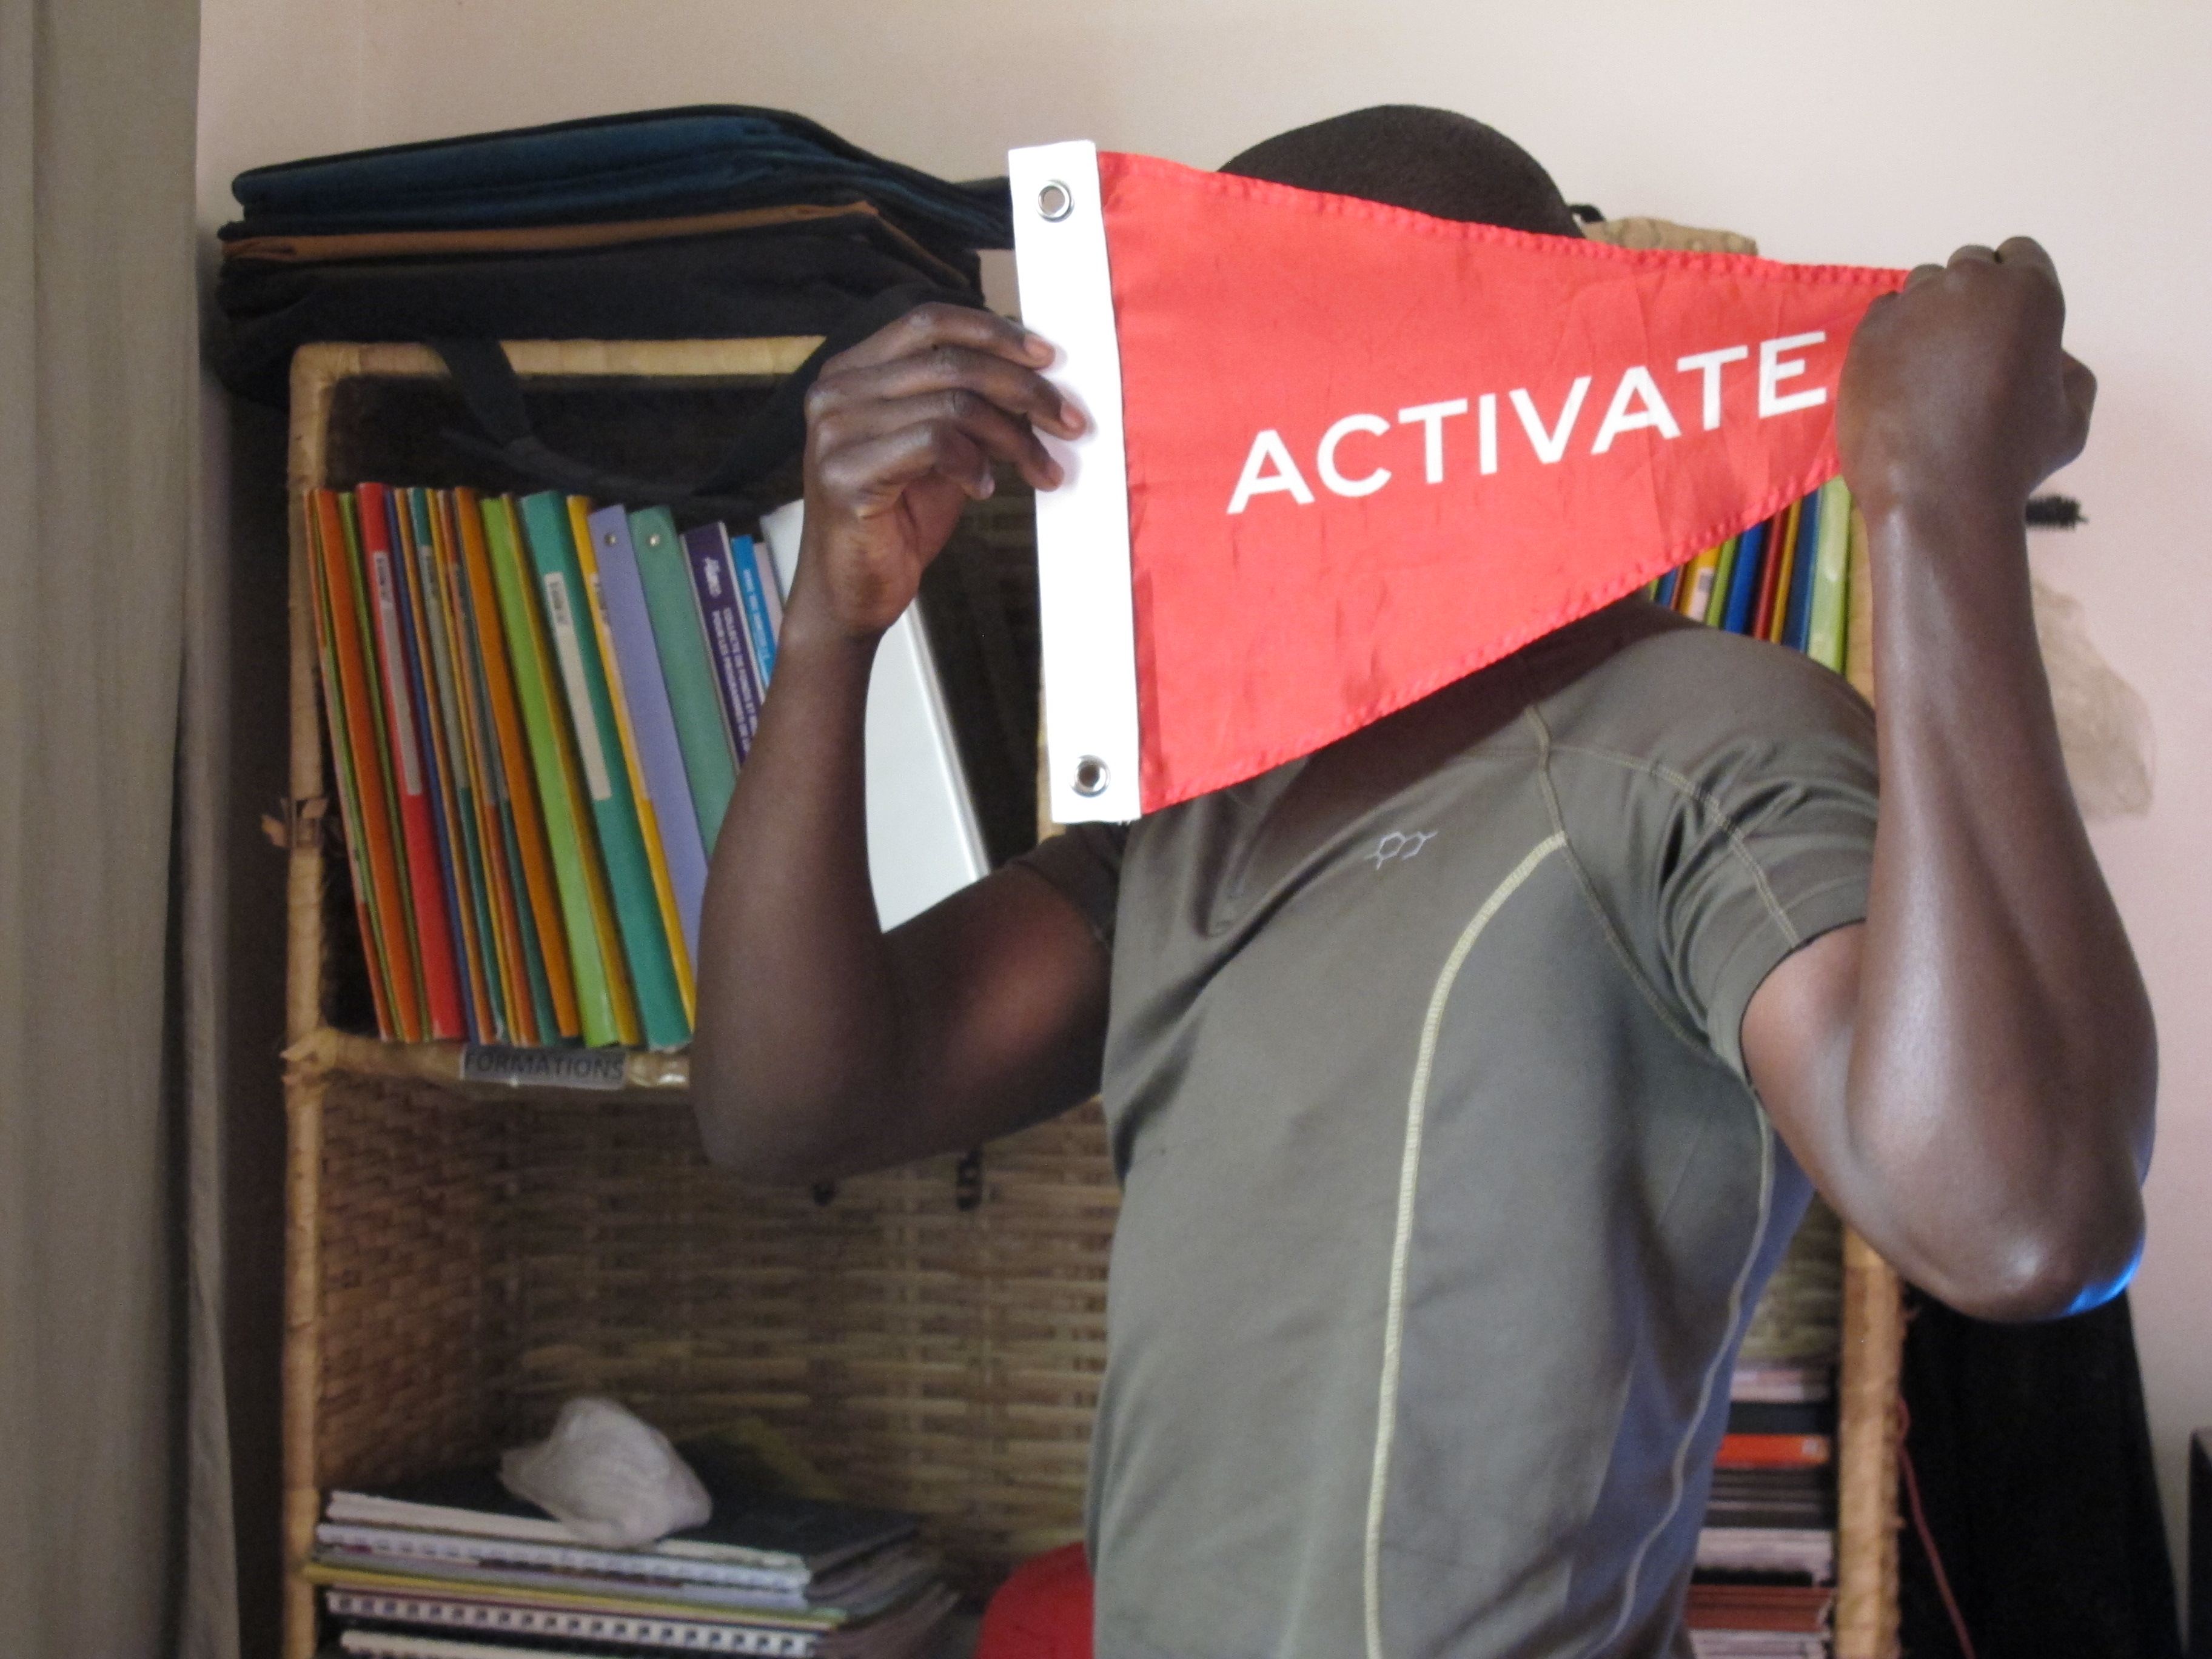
{"type": "Point", "coordinates": [1687, 699]}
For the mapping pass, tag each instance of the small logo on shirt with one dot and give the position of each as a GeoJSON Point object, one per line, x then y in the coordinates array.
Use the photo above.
{"type": "Point", "coordinates": [1400, 845]}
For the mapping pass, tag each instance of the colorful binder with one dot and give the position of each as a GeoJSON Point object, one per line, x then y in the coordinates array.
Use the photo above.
{"type": "Point", "coordinates": [349, 728]}
{"type": "Point", "coordinates": [454, 795]}
{"type": "Point", "coordinates": [714, 585]}
{"type": "Point", "coordinates": [674, 939]}
{"type": "Point", "coordinates": [540, 926]}
{"type": "Point", "coordinates": [594, 946]}
{"type": "Point", "coordinates": [600, 768]}
{"type": "Point", "coordinates": [652, 723]}
{"type": "Point", "coordinates": [680, 640]}
{"type": "Point", "coordinates": [431, 916]}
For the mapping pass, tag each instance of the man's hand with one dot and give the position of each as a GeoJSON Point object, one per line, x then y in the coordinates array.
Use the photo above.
{"type": "Point", "coordinates": [825, 1045]}
{"type": "Point", "coordinates": [1959, 384]}
{"type": "Point", "coordinates": [900, 432]}
{"type": "Point", "coordinates": [1969, 1077]}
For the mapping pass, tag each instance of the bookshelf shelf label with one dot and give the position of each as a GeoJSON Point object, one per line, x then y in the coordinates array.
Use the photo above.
{"type": "Point", "coordinates": [543, 1068]}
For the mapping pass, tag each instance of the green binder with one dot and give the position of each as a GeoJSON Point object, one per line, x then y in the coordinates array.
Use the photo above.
{"type": "Point", "coordinates": [567, 834]}
{"type": "Point", "coordinates": [603, 772]}
{"type": "Point", "coordinates": [709, 761]}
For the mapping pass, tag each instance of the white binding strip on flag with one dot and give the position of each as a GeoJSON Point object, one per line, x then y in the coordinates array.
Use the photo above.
{"type": "Point", "coordinates": [1087, 620]}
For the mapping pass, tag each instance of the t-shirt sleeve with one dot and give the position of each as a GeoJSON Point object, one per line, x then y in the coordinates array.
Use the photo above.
{"type": "Point", "coordinates": [1084, 863]}
{"type": "Point", "coordinates": [1769, 844]}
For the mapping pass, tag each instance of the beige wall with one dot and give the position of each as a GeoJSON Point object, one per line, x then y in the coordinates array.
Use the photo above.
{"type": "Point", "coordinates": [1881, 131]}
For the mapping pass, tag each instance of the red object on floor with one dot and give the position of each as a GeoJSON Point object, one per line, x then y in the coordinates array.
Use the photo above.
{"type": "Point", "coordinates": [1043, 1611]}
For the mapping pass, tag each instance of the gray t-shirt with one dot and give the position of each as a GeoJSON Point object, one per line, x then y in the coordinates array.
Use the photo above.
{"type": "Point", "coordinates": [1446, 1198]}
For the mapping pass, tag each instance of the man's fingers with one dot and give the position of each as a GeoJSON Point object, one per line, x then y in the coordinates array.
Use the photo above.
{"type": "Point", "coordinates": [938, 323]}
{"type": "Point", "coordinates": [990, 431]}
{"type": "Point", "coordinates": [1974, 253]}
{"type": "Point", "coordinates": [872, 476]}
{"type": "Point", "coordinates": [1920, 274]}
{"type": "Point", "coordinates": [1020, 390]}
{"type": "Point", "coordinates": [2027, 251]}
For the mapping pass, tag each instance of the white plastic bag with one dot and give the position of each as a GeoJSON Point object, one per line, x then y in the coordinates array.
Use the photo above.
{"type": "Point", "coordinates": [607, 1475]}
{"type": "Point", "coordinates": [2103, 726]}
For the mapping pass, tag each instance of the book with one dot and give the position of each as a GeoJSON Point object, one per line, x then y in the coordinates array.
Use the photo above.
{"type": "Point", "coordinates": [1803, 1607]}
{"type": "Point", "coordinates": [860, 1591]}
{"type": "Point", "coordinates": [1716, 611]}
{"type": "Point", "coordinates": [714, 587]}
{"type": "Point", "coordinates": [679, 639]}
{"type": "Point", "coordinates": [1797, 613]}
{"type": "Point", "coordinates": [343, 772]}
{"type": "Point", "coordinates": [586, 1597]}
{"type": "Point", "coordinates": [1694, 592]}
{"type": "Point", "coordinates": [1858, 606]}
{"type": "Point", "coordinates": [1773, 1451]}
{"type": "Point", "coordinates": [555, 1624]}
{"type": "Point", "coordinates": [748, 1527]}
{"type": "Point", "coordinates": [1807, 1550]}
{"type": "Point", "coordinates": [753, 587]}
{"type": "Point", "coordinates": [1755, 1644]}
{"type": "Point", "coordinates": [379, 812]}
{"type": "Point", "coordinates": [399, 923]}
{"type": "Point", "coordinates": [1782, 1417]}
{"type": "Point", "coordinates": [900, 1633]}
{"type": "Point", "coordinates": [540, 927]}
{"type": "Point", "coordinates": [515, 1001]}
{"type": "Point", "coordinates": [602, 771]}
{"type": "Point", "coordinates": [1781, 1381]}
{"type": "Point", "coordinates": [1774, 578]}
{"type": "Point", "coordinates": [648, 732]}
{"type": "Point", "coordinates": [772, 588]}
{"type": "Point", "coordinates": [1744, 579]}
{"type": "Point", "coordinates": [1825, 629]}
{"type": "Point", "coordinates": [479, 1549]}
{"type": "Point", "coordinates": [594, 953]}
{"type": "Point", "coordinates": [454, 789]}
{"type": "Point", "coordinates": [399, 677]}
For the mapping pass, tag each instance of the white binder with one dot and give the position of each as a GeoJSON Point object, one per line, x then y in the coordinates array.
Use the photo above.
{"type": "Point", "coordinates": [924, 842]}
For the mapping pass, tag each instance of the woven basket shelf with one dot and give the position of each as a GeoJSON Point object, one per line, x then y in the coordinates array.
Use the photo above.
{"type": "Point", "coordinates": [463, 1257]}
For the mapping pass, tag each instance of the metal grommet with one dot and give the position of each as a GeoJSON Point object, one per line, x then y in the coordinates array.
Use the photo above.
{"type": "Point", "coordinates": [1055, 200]}
{"type": "Point", "coordinates": [1091, 775]}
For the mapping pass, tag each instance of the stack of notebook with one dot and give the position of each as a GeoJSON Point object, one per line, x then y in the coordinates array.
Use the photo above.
{"type": "Point", "coordinates": [1763, 1588]}
{"type": "Point", "coordinates": [454, 1567]}
{"type": "Point", "coordinates": [705, 223]}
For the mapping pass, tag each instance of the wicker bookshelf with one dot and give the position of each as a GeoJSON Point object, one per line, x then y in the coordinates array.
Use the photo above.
{"type": "Point", "coordinates": [462, 1256]}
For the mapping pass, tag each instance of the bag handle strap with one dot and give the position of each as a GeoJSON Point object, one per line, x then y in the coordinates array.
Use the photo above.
{"type": "Point", "coordinates": [777, 430]}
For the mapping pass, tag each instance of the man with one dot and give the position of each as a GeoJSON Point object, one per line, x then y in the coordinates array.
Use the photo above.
{"type": "Point", "coordinates": [1451, 1179]}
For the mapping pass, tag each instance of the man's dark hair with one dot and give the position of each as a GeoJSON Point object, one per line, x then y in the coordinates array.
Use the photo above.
{"type": "Point", "coordinates": [1434, 161]}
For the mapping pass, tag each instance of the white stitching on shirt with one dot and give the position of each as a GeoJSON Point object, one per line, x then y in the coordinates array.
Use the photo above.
{"type": "Point", "coordinates": [1595, 905]}
{"type": "Point", "coordinates": [1706, 798]}
{"type": "Point", "coordinates": [1409, 1170]}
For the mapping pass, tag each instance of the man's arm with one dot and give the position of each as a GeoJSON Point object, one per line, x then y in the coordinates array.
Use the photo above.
{"type": "Point", "coordinates": [825, 1045]}
{"type": "Point", "coordinates": [1969, 1076]}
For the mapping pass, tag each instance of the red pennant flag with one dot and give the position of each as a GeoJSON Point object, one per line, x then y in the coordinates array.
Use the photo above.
{"type": "Point", "coordinates": [1343, 454]}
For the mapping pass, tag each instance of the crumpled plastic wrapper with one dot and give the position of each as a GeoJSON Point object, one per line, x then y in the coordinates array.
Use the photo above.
{"type": "Point", "coordinates": [609, 1476]}
{"type": "Point", "coordinates": [2103, 726]}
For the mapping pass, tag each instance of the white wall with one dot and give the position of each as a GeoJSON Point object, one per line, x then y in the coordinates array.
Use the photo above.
{"type": "Point", "coordinates": [1880, 131]}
